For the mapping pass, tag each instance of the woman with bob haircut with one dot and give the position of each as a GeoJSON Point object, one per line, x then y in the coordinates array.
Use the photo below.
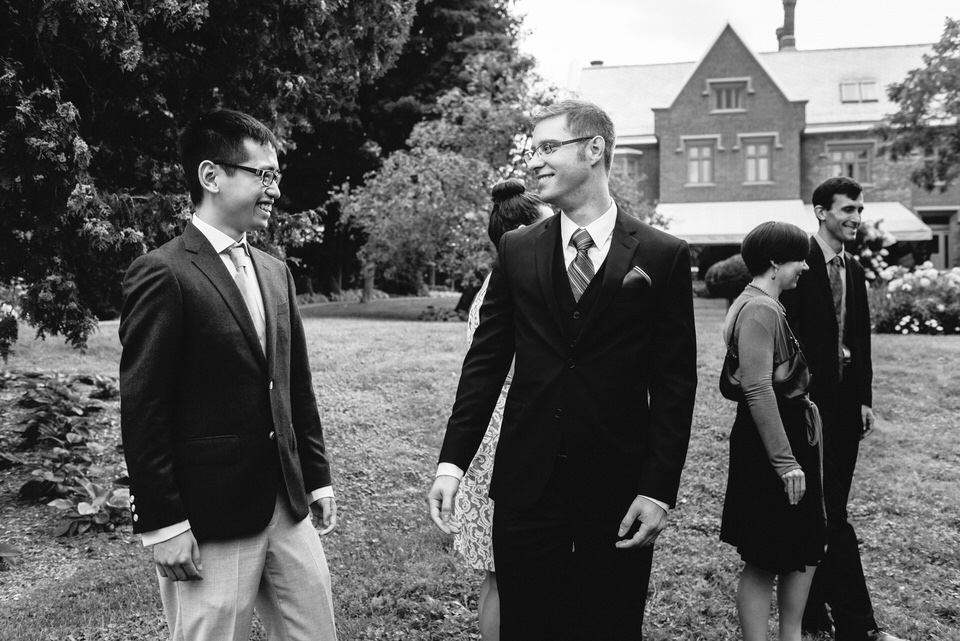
{"type": "Point", "coordinates": [773, 511]}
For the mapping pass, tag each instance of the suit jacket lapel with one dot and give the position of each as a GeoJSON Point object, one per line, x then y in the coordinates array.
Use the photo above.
{"type": "Point", "coordinates": [211, 266]}
{"type": "Point", "coordinates": [268, 291]}
{"type": "Point", "coordinates": [545, 254]}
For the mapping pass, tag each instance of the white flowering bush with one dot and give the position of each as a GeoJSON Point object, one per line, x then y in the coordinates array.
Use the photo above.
{"type": "Point", "coordinates": [922, 300]}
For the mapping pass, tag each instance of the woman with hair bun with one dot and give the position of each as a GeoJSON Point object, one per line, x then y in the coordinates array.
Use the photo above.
{"type": "Point", "coordinates": [513, 207]}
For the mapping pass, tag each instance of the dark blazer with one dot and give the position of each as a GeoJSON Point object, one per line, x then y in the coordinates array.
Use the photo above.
{"type": "Point", "coordinates": [212, 427]}
{"type": "Point", "coordinates": [616, 395]}
{"type": "Point", "coordinates": [812, 318]}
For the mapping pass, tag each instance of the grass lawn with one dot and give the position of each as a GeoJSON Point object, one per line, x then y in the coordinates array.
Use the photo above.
{"type": "Point", "coordinates": [385, 389]}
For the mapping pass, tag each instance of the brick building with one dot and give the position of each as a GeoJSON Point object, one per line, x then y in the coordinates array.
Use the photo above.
{"type": "Point", "coordinates": [741, 137]}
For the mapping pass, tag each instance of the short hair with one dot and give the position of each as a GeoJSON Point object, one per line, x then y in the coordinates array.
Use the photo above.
{"type": "Point", "coordinates": [825, 191]}
{"type": "Point", "coordinates": [513, 206]}
{"type": "Point", "coordinates": [773, 242]}
{"type": "Point", "coordinates": [219, 135]}
{"type": "Point", "coordinates": [583, 119]}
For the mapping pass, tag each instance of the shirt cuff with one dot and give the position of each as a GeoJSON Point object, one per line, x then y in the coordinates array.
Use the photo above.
{"type": "Point", "coordinates": [321, 493]}
{"type": "Point", "coordinates": [164, 534]}
{"type": "Point", "coordinates": [449, 469]}
{"type": "Point", "coordinates": [666, 508]}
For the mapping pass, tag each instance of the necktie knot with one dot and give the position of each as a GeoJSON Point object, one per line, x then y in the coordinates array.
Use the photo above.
{"type": "Point", "coordinates": [582, 240]}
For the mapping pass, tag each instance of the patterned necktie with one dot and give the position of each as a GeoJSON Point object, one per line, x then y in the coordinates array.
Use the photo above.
{"type": "Point", "coordinates": [240, 260]}
{"type": "Point", "coordinates": [835, 267]}
{"type": "Point", "coordinates": [580, 270]}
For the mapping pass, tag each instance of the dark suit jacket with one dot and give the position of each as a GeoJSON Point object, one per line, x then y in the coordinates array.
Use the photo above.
{"type": "Point", "coordinates": [212, 428]}
{"type": "Point", "coordinates": [812, 318]}
{"type": "Point", "coordinates": [618, 397]}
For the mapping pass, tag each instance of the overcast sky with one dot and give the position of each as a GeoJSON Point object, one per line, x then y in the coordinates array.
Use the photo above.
{"type": "Point", "coordinates": [565, 35]}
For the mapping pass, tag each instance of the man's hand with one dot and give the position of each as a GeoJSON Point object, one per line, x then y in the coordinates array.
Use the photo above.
{"type": "Point", "coordinates": [440, 499]}
{"type": "Point", "coordinates": [795, 485]}
{"type": "Point", "coordinates": [178, 559]}
{"type": "Point", "coordinates": [866, 421]}
{"type": "Point", "coordinates": [652, 517]}
{"type": "Point", "coordinates": [324, 514]}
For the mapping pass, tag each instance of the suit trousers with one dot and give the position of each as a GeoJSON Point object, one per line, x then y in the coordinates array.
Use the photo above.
{"type": "Point", "coordinates": [839, 581]}
{"type": "Point", "coordinates": [281, 570]}
{"type": "Point", "coordinates": [559, 573]}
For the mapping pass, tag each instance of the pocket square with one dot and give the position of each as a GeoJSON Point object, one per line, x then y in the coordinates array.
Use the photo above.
{"type": "Point", "coordinates": [636, 277]}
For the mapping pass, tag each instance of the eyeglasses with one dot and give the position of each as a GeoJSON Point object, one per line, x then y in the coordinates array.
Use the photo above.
{"type": "Point", "coordinates": [550, 146]}
{"type": "Point", "coordinates": [267, 176]}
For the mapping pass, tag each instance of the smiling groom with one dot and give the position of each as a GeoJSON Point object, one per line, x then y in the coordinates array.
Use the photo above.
{"type": "Point", "coordinates": [220, 425]}
{"type": "Point", "coordinates": [597, 308]}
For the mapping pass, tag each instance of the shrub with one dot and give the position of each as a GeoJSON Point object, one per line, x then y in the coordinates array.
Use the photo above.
{"type": "Point", "coordinates": [9, 329]}
{"type": "Point", "coordinates": [432, 313]}
{"type": "Point", "coordinates": [96, 508]}
{"type": "Point", "coordinates": [311, 299]}
{"type": "Point", "coordinates": [59, 415]}
{"type": "Point", "coordinates": [919, 301]}
{"type": "Point", "coordinates": [727, 278]}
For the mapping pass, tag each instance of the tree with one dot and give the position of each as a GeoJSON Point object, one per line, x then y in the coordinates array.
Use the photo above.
{"type": "Point", "coordinates": [424, 209]}
{"type": "Point", "coordinates": [445, 36]}
{"type": "Point", "coordinates": [928, 120]}
{"type": "Point", "coordinates": [93, 93]}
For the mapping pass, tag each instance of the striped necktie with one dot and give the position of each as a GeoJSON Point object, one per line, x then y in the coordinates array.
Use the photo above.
{"type": "Point", "coordinates": [580, 270]}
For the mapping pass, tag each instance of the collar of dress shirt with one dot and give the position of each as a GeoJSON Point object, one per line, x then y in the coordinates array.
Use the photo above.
{"type": "Point", "coordinates": [827, 250]}
{"type": "Point", "coordinates": [600, 230]}
{"type": "Point", "coordinates": [217, 238]}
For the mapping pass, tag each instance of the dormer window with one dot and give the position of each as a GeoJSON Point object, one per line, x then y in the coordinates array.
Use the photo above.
{"type": "Point", "coordinates": [728, 94]}
{"type": "Point", "coordinates": [858, 91]}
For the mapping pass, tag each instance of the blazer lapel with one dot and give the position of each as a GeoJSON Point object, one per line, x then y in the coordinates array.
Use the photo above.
{"type": "Point", "coordinates": [211, 266]}
{"type": "Point", "coordinates": [268, 291]}
{"type": "Point", "coordinates": [545, 254]}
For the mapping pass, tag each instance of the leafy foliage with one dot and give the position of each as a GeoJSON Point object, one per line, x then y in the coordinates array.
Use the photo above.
{"type": "Point", "coordinates": [59, 416]}
{"type": "Point", "coordinates": [425, 208]}
{"type": "Point", "coordinates": [92, 95]}
{"type": "Point", "coordinates": [97, 509]}
{"type": "Point", "coordinates": [928, 120]}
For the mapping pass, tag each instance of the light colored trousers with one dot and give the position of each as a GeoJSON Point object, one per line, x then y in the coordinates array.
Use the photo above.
{"type": "Point", "coordinates": [282, 571]}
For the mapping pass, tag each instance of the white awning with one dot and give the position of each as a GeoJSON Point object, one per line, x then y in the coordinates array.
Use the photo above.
{"type": "Point", "coordinates": [894, 218]}
{"type": "Point", "coordinates": [726, 223]}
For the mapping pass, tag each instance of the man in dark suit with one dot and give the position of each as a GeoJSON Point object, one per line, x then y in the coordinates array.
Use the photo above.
{"type": "Point", "coordinates": [598, 311]}
{"type": "Point", "coordinates": [220, 425]}
{"type": "Point", "coordinates": [830, 315]}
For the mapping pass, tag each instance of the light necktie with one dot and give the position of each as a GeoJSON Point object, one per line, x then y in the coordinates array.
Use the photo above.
{"type": "Point", "coordinates": [246, 283]}
{"type": "Point", "coordinates": [580, 270]}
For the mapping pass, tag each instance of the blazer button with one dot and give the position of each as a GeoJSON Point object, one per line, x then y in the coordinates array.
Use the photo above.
{"type": "Point", "coordinates": [571, 363]}
{"type": "Point", "coordinates": [557, 413]}
{"type": "Point", "coordinates": [271, 384]}
{"type": "Point", "coordinates": [136, 518]}
{"type": "Point", "coordinates": [576, 316]}
{"type": "Point", "coordinates": [273, 436]}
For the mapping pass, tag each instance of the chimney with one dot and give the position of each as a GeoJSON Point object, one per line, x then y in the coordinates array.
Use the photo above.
{"type": "Point", "coordinates": [596, 63]}
{"type": "Point", "coordinates": [785, 36]}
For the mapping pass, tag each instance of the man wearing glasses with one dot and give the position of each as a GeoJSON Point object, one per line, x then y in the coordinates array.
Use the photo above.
{"type": "Point", "coordinates": [597, 309]}
{"type": "Point", "coordinates": [220, 425]}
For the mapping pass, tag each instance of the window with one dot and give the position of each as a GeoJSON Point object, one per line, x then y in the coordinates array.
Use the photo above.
{"type": "Point", "coordinates": [854, 160]}
{"type": "Point", "coordinates": [627, 167]}
{"type": "Point", "coordinates": [729, 96]}
{"type": "Point", "coordinates": [858, 91]}
{"type": "Point", "coordinates": [758, 160]}
{"type": "Point", "coordinates": [700, 162]}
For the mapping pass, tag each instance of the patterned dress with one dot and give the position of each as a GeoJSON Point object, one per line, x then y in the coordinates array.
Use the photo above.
{"type": "Point", "coordinates": [473, 507]}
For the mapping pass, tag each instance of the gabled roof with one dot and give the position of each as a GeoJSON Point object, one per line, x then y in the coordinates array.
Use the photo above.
{"type": "Point", "coordinates": [630, 92]}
